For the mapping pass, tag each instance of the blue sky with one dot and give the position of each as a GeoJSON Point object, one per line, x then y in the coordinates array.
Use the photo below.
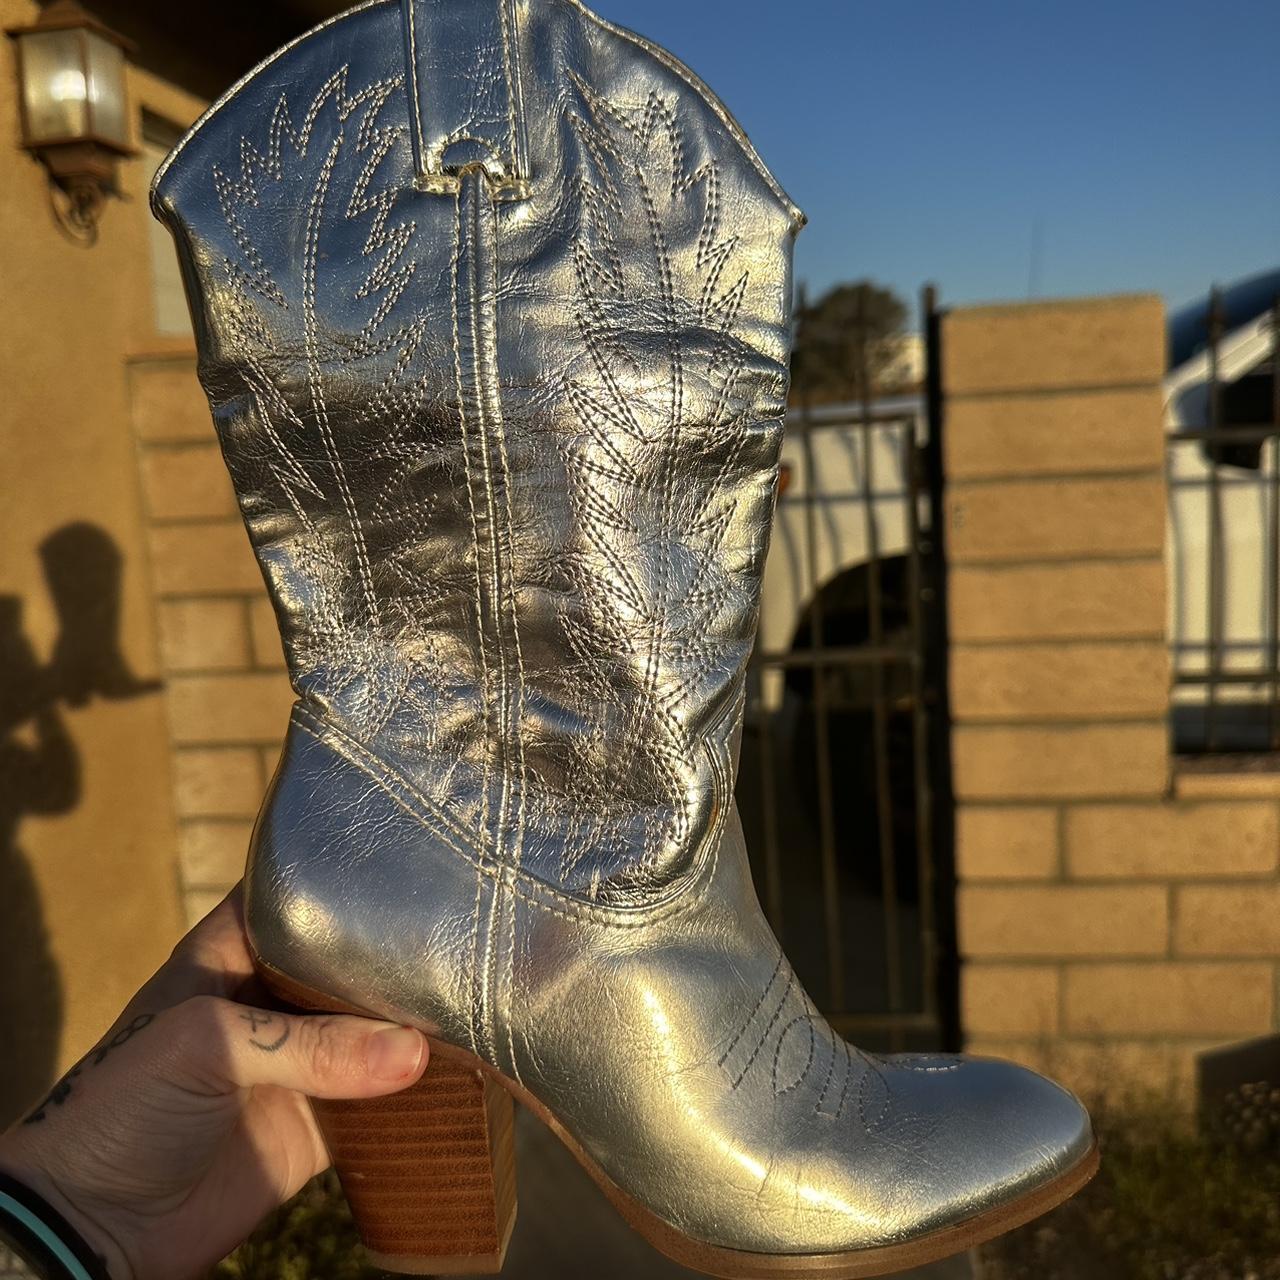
{"type": "Point", "coordinates": [1138, 142]}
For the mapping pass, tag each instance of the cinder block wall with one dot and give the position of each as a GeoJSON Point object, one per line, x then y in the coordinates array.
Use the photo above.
{"type": "Point", "coordinates": [1114, 917]}
{"type": "Point", "coordinates": [220, 653]}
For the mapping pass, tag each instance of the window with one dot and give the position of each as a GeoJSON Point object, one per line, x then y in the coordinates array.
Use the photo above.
{"type": "Point", "coordinates": [169, 301]}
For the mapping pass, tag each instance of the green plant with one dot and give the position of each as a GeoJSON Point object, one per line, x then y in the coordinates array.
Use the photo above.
{"type": "Point", "coordinates": [1168, 1204]}
{"type": "Point", "coordinates": [845, 338]}
{"type": "Point", "coordinates": [310, 1238]}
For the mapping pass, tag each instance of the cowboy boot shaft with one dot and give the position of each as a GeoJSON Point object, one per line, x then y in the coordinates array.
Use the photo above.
{"type": "Point", "coordinates": [493, 307]}
{"type": "Point", "coordinates": [507, 454]}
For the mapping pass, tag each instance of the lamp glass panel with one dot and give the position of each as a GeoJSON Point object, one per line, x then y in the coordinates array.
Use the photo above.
{"type": "Point", "coordinates": [108, 115]}
{"type": "Point", "coordinates": [55, 88]}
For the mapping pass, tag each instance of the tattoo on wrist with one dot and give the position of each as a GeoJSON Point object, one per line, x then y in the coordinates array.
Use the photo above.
{"type": "Point", "coordinates": [267, 1031]}
{"type": "Point", "coordinates": [61, 1091]}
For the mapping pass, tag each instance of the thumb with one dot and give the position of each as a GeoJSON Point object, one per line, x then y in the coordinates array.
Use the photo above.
{"type": "Point", "coordinates": [321, 1055]}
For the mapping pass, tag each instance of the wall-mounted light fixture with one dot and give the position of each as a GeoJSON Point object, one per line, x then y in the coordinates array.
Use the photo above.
{"type": "Point", "coordinates": [75, 117]}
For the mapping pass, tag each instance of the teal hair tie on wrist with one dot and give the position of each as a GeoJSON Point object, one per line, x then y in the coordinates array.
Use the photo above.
{"type": "Point", "coordinates": [35, 1228]}
{"type": "Point", "coordinates": [32, 1225]}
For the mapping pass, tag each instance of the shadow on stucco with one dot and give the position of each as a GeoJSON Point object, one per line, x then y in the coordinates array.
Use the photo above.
{"type": "Point", "coordinates": [40, 775]}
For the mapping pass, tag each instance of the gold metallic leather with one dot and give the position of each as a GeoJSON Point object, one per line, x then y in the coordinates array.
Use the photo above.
{"type": "Point", "coordinates": [493, 307]}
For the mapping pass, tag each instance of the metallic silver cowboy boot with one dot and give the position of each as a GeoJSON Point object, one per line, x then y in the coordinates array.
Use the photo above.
{"type": "Point", "coordinates": [493, 305]}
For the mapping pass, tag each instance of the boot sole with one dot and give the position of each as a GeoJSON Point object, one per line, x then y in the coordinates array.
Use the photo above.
{"type": "Point", "coordinates": [447, 1142]}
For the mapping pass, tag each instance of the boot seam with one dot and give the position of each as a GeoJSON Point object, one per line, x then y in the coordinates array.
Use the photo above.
{"type": "Point", "coordinates": [476, 986]}
{"type": "Point", "coordinates": [476, 370]}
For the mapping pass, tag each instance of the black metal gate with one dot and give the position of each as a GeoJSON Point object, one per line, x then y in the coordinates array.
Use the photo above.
{"type": "Point", "coordinates": [845, 785]}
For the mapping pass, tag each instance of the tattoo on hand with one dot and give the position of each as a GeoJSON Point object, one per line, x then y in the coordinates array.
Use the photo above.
{"type": "Point", "coordinates": [61, 1091]}
{"type": "Point", "coordinates": [260, 1020]}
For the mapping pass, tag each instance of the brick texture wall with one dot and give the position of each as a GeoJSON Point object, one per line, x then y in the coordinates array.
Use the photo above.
{"type": "Point", "coordinates": [1115, 918]}
{"type": "Point", "coordinates": [220, 653]}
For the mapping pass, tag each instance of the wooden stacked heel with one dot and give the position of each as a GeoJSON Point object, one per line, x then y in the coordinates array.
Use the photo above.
{"type": "Point", "coordinates": [429, 1173]}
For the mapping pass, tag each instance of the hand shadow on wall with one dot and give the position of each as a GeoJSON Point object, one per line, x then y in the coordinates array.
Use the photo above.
{"type": "Point", "coordinates": [40, 775]}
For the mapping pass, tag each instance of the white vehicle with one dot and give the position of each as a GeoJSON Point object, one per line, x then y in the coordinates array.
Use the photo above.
{"type": "Point", "coordinates": [1223, 419]}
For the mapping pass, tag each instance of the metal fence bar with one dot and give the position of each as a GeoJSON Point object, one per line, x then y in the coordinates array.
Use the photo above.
{"type": "Point", "coordinates": [769, 807]}
{"type": "Point", "coordinates": [821, 728]}
{"type": "Point", "coordinates": [842, 655]}
{"type": "Point", "coordinates": [920, 725]}
{"type": "Point", "coordinates": [1226, 435]}
{"type": "Point", "coordinates": [1259, 676]}
{"type": "Point", "coordinates": [946, 976]}
{"type": "Point", "coordinates": [1170, 470]}
{"type": "Point", "coordinates": [1273, 576]}
{"type": "Point", "coordinates": [1214, 586]}
{"type": "Point", "coordinates": [1273, 557]}
{"type": "Point", "coordinates": [879, 706]}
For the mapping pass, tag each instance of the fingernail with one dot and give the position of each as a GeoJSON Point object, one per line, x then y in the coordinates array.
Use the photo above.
{"type": "Point", "coordinates": [395, 1054]}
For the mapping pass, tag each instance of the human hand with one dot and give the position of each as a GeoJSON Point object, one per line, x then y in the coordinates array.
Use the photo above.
{"type": "Point", "coordinates": [188, 1122]}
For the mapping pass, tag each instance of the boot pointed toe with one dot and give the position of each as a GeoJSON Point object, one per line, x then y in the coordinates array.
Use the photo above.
{"type": "Point", "coordinates": [995, 1133]}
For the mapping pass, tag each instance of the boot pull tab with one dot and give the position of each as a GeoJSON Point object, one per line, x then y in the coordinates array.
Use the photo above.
{"type": "Point", "coordinates": [463, 72]}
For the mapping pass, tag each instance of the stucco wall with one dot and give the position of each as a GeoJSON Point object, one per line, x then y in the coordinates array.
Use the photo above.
{"type": "Point", "coordinates": [89, 896]}
{"type": "Point", "coordinates": [220, 651]}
